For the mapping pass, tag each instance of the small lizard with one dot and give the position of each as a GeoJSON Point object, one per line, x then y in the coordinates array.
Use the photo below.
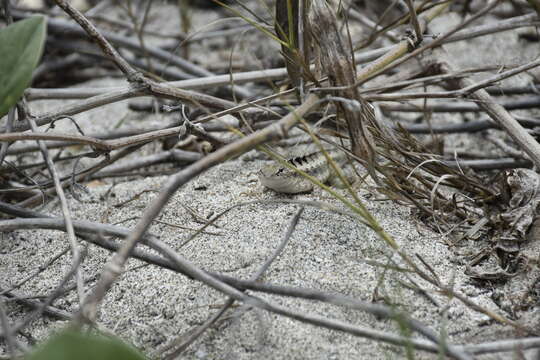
{"type": "Point", "coordinates": [285, 180]}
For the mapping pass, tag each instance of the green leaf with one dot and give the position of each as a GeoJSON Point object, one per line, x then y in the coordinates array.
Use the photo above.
{"type": "Point", "coordinates": [22, 45]}
{"type": "Point", "coordinates": [70, 345]}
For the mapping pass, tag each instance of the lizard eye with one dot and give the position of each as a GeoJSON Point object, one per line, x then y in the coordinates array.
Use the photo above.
{"type": "Point", "coordinates": [280, 170]}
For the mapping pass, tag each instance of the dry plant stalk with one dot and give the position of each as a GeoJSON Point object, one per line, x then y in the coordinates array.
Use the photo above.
{"type": "Point", "coordinates": [410, 171]}
{"type": "Point", "coordinates": [291, 20]}
{"type": "Point", "coordinates": [335, 58]}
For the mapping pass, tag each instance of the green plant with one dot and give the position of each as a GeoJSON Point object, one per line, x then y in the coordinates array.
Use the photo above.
{"type": "Point", "coordinates": [75, 345]}
{"type": "Point", "coordinates": [22, 45]}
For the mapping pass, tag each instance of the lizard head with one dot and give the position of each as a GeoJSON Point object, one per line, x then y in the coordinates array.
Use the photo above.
{"type": "Point", "coordinates": [283, 180]}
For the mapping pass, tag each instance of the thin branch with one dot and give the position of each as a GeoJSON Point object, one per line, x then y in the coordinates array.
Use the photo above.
{"type": "Point", "coordinates": [414, 21]}
{"type": "Point", "coordinates": [255, 277]}
{"type": "Point", "coordinates": [9, 126]}
{"type": "Point", "coordinates": [39, 270]}
{"type": "Point", "coordinates": [53, 296]}
{"type": "Point", "coordinates": [75, 251]}
{"type": "Point", "coordinates": [498, 113]}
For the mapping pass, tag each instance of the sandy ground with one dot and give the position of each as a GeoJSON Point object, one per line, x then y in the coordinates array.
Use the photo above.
{"type": "Point", "coordinates": [149, 307]}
